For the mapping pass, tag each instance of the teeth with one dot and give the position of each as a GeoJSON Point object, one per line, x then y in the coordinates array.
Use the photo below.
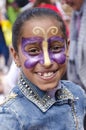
{"type": "Point", "coordinates": [46, 74]}
{"type": "Point", "coordinates": [40, 74]}
{"type": "Point", "coordinates": [50, 73]}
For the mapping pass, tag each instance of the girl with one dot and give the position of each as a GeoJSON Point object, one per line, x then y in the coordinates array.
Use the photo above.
{"type": "Point", "coordinates": [41, 101]}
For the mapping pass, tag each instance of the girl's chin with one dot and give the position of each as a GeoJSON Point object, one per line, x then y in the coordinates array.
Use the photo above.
{"type": "Point", "coordinates": [47, 87]}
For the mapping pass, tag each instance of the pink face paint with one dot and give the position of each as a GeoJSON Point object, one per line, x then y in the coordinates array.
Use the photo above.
{"type": "Point", "coordinates": [32, 60]}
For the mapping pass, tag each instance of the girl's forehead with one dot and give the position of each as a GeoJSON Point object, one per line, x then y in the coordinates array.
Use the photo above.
{"type": "Point", "coordinates": [41, 27]}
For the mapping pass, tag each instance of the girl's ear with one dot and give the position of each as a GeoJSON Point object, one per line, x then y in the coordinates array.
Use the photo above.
{"type": "Point", "coordinates": [15, 57]}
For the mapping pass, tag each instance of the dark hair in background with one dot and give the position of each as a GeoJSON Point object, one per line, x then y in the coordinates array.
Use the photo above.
{"type": "Point", "coordinates": [33, 14]}
{"type": "Point", "coordinates": [38, 2]}
{"type": "Point", "coordinates": [22, 3]}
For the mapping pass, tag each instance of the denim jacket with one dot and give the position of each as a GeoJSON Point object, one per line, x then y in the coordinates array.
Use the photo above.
{"type": "Point", "coordinates": [28, 108]}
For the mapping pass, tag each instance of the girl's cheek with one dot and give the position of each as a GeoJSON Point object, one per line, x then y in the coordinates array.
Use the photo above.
{"type": "Point", "coordinates": [59, 58]}
{"type": "Point", "coordinates": [31, 62]}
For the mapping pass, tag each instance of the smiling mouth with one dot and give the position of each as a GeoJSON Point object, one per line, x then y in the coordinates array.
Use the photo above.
{"type": "Point", "coordinates": [47, 75]}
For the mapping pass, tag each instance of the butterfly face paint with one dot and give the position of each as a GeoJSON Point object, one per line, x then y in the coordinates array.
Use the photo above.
{"type": "Point", "coordinates": [43, 50]}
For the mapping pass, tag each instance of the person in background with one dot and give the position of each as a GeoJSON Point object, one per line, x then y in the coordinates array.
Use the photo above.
{"type": "Point", "coordinates": [41, 100]}
{"type": "Point", "coordinates": [4, 50]}
{"type": "Point", "coordinates": [65, 10]}
{"type": "Point", "coordinates": [46, 4]}
{"type": "Point", "coordinates": [77, 54]}
{"type": "Point", "coordinates": [24, 4]}
{"type": "Point", "coordinates": [67, 13]}
{"type": "Point", "coordinates": [58, 4]}
{"type": "Point", "coordinates": [12, 10]}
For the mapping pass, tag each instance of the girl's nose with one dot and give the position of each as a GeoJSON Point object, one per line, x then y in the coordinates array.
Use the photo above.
{"type": "Point", "coordinates": [47, 60]}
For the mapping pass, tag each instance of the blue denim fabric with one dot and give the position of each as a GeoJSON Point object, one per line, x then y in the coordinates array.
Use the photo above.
{"type": "Point", "coordinates": [20, 113]}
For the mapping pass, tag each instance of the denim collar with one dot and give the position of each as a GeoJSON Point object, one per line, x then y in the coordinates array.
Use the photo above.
{"type": "Point", "coordinates": [41, 98]}
{"type": "Point", "coordinates": [34, 88]}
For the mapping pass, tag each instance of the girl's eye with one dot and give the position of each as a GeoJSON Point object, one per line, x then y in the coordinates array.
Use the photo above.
{"type": "Point", "coordinates": [34, 51]}
{"type": "Point", "coordinates": [56, 49]}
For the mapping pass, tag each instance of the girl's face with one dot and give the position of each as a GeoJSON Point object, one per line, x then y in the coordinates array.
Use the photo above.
{"type": "Point", "coordinates": [42, 52]}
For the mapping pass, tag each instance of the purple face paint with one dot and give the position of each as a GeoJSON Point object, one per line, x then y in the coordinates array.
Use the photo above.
{"type": "Point", "coordinates": [56, 38]}
{"type": "Point", "coordinates": [57, 57]}
{"type": "Point", "coordinates": [32, 40]}
{"type": "Point", "coordinates": [32, 60]}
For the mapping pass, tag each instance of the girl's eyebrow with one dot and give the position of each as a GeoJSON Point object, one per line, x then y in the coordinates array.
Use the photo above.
{"type": "Point", "coordinates": [56, 38]}
{"type": "Point", "coordinates": [31, 40]}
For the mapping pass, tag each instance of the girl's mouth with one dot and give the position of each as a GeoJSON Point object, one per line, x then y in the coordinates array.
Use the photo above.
{"type": "Point", "coordinates": [47, 75]}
